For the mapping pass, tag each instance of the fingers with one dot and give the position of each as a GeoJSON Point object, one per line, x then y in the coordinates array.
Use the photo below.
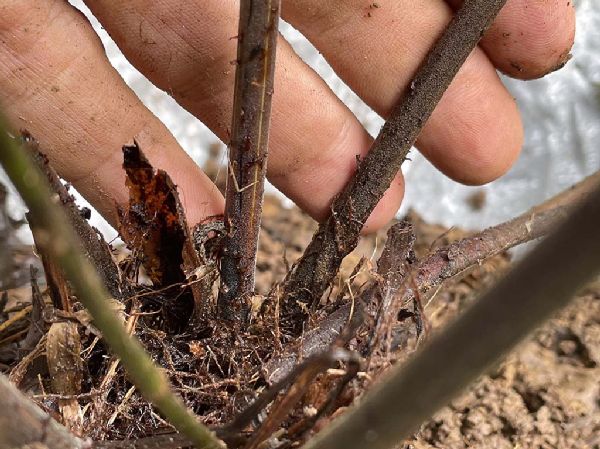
{"type": "Point", "coordinates": [475, 133]}
{"type": "Point", "coordinates": [56, 82]}
{"type": "Point", "coordinates": [530, 39]}
{"type": "Point", "coordinates": [188, 50]}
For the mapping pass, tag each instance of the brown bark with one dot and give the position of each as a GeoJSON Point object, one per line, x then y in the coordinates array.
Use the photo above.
{"type": "Point", "coordinates": [457, 257]}
{"type": "Point", "coordinates": [257, 39]}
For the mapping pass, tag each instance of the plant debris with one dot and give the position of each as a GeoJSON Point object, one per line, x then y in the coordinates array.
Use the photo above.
{"type": "Point", "coordinates": [256, 384]}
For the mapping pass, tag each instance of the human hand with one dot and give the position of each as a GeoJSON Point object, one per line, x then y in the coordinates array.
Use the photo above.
{"type": "Point", "coordinates": [56, 81]}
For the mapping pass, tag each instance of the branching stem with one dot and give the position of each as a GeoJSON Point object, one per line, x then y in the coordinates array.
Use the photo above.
{"type": "Point", "coordinates": [444, 263]}
{"type": "Point", "coordinates": [537, 287]}
{"type": "Point", "coordinates": [339, 234]}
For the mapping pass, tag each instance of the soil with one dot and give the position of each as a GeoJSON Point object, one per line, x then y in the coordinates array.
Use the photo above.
{"type": "Point", "coordinates": [545, 394]}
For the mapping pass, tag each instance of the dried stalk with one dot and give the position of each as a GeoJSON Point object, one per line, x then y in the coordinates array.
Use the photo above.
{"type": "Point", "coordinates": [94, 246]}
{"type": "Point", "coordinates": [65, 366]}
{"type": "Point", "coordinates": [19, 371]}
{"type": "Point", "coordinates": [339, 234]}
{"type": "Point", "coordinates": [37, 323]}
{"type": "Point", "coordinates": [536, 288]}
{"type": "Point", "coordinates": [257, 39]}
{"type": "Point", "coordinates": [58, 287]}
{"type": "Point", "coordinates": [61, 242]}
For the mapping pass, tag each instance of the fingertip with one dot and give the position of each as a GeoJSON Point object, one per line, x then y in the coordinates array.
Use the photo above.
{"type": "Point", "coordinates": [490, 149]}
{"type": "Point", "coordinates": [531, 39]}
{"type": "Point", "coordinates": [387, 208]}
{"type": "Point", "coordinates": [199, 211]}
{"type": "Point", "coordinates": [475, 134]}
{"type": "Point", "coordinates": [491, 159]}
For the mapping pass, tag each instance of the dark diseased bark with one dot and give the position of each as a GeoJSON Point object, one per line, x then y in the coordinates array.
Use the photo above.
{"type": "Point", "coordinates": [339, 234]}
{"type": "Point", "coordinates": [257, 38]}
{"type": "Point", "coordinates": [154, 224]}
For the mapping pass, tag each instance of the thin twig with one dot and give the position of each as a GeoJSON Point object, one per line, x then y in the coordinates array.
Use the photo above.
{"type": "Point", "coordinates": [20, 315]}
{"type": "Point", "coordinates": [64, 246]}
{"type": "Point", "coordinates": [257, 39]}
{"type": "Point", "coordinates": [542, 283]}
{"type": "Point", "coordinates": [317, 363]}
{"type": "Point", "coordinates": [36, 325]}
{"type": "Point", "coordinates": [104, 389]}
{"type": "Point", "coordinates": [305, 376]}
{"type": "Point", "coordinates": [167, 441]}
{"type": "Point", "coordinates": [339, 234]}
{"type": "Point", "coordinates": [18, 372]}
